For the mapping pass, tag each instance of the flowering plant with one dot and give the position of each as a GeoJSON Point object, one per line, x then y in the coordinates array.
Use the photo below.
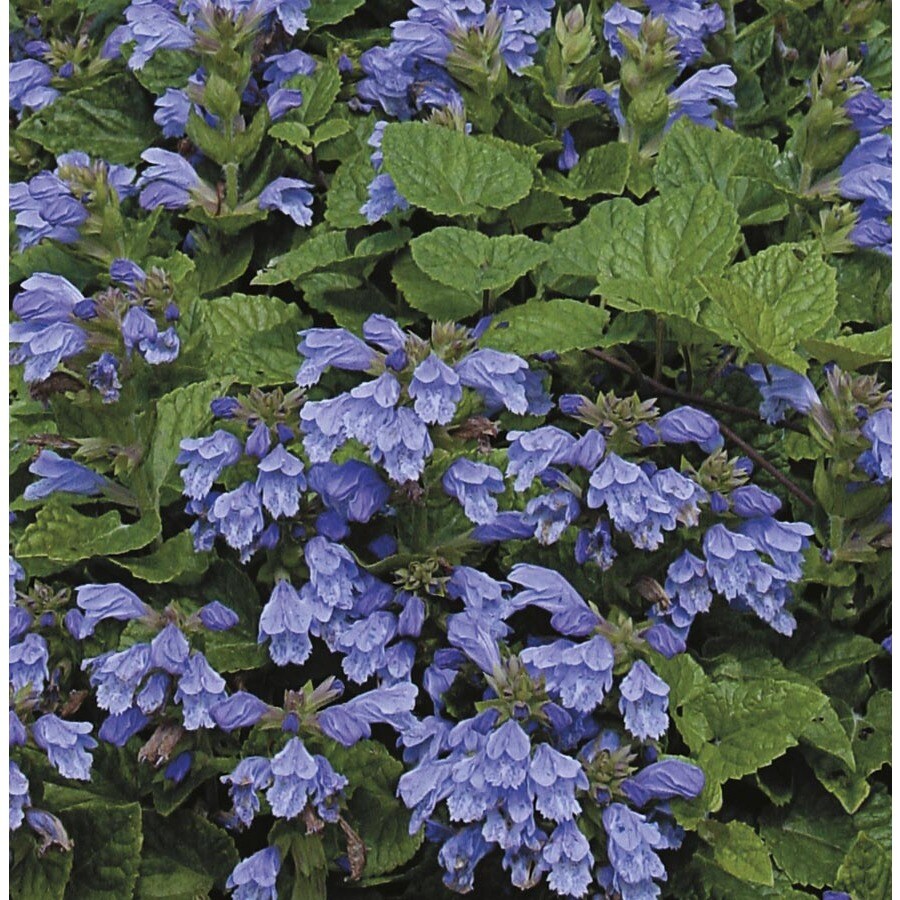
{"type": "Point", "coordinates": [450, 449]}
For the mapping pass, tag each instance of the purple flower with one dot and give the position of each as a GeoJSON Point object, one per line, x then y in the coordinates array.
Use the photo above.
{"type": "Point", "coordinates": [199, 690]}
{"type": "Point", "coordinates": [682, 494]}
{"type": "Point", "coordinates": [170, 650]}
{"type": "Point", "coordinates": [644, 701]}
{"type": "Point", "coordinates": [119, 728]}
{"type": "Point", "coordinates": [49, 829]}
{"type": "Point", "coordinates": [322, 423]}
{"type": "Point", "coordinates": [436, 390]}
{"type": "Point", "coordinates": [152, 696]}
{"type": "Point", "coordinates": [285, 621]}
{"type": "Point", "coordinates": [116, 676]}
{"type": "Point", "coordinates": [664, 780]}
{"type": "Point", "coordinates": [325, 347]}
{"type": "Point", "coordinates": [238, 517]}
{"type": "Point", "coordinates": [29, 85]}
{"type": "Point", "coordinates": [300, 779]}
{"type": "Point", "coordinates": [66, 744]}
{"type": "Point", "coordinates": [782, 390]}
{"type": "Point", "coordinates": [42, 347]}
{"type": "Point", "coordinates": [477, 637]}
{"type": "Point", "coordinates": [282, 66]}
{"type": "Point", "coordinates": [686, 424]}
{"type": "Point", "coordinates": [696, 96]}
{"type": "Point", "coordinates": [254, 878]}
{"type": "Point", "coordinates": [505, 756]}
{"type": "Point", "coordinates": [240, 710]}
{"type": "Point", "coordinates": [58, 474]}
{"type": "Point", "coordinates": [876, 462]}
{"type": "Point", "coordinates": [569, 156]}
{"type": "Point", "coordinates": [106, 601]}
{"type": "Point", "coordinates": [631, 848]}
{"type": "Point", "coordinates": [868, 112]}
{"type": "Point", "coordinates": [280, 482]}
{"type": "Point", "coordinates": [168, 182]}
{"type": "Point", "coordinates": [18, 796]}
{"type": "Point", "coordinates": [47, 298]}
{"type": "Point", "coordinates": [749, 501]}
{"type": "Point", "coordinates": [172, 111]}
{"type": "Point", "coordinates": [568, 857]}
{"type": "Point", "coordinates": [783, 542]}
{"type": "Point", "coordinates": [104, 376]}
{"type": "Point", "coordinates": [290, 196]}
{"type": "Point", "coordinates": [251, 775]}
{"type": "Point", "coordinates": [292, 15]}
{"type": "Point", "coordinates": [177, 770]}
{"type": "Point", "coordinates": [17, 734]}
{"type": "Point", "coordinates": [46, 208]}
{"type": "Point", "coordinates": [216, 616]}
{"type": "Point", "coordinates": [595, 546]}
{"type": "Point", "coordinates": [364, 643]}
{"type": "Point", "coordinates": [350, 722]}
{"type": "Point", "coordinates": [459, 855]}
{"type": "Point", "coordinates": [531, 452]}
{"type": "Point", "coordinates": [551, 514]}
{"type": "Point", "coordinates": [503, 380]}
{"type": "Point", "coordinates": [553, 779]}
{"type": "Point", "coordinates": [472, 483]}
{"type": "Point", "coordinates": [579, 674]}
{"type": "Point", "coordinates": [352, 489]}
{"type": "Point", "coordinates": [205, 459]}
{"type": "Point", "coordinates": [28, 664]}
{"type": "Point", "coordinates": [384, 198]}
{"type": "Point", "coordinates": [549, 591]}
{"type": "Point", "coordinates": [688, 588]}
{"type": "Point", "coordinates": [152, 26]}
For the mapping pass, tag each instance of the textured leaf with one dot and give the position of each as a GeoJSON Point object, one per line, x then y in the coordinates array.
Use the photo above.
{"type": "Point", "coordinates": [319, 93]}
{"type": "Point", "coordinates": [330, 12]}
{"type": "Point", "coordinates": [601, 170]}
{"type": "Point", "coordinates": [34, 876]}
{"type": "Point", "coordinates": [648, 255]}
{"type": "Point", "coordinates": [468, 260]}
{"type": "Point", "coordinates": [852, 351]}
{"type": "Point", "coordinates": [543, 325]}
{"type": "Point", "coordinates": [833, 652]}
{"type": "Point", "coordinates": [173, 559]}
{"type": "Point", "coordinates": [440, 302]}
{"type": "Point", "coordinates": [348, 191]}
{"type": "Point", "coordinates": [453, 174]}
{"type": "Point", "coordinates": [112, 120]}
{"type": "Point", "coordinates": [865, 873]}
{"type": "Point", "coordinates": [739, 851]}
{"type": "Point", "coordinates": [317, 252]}
{"type": "Point", "coordinates": [172, 867]}
{"type": "Point", "coordinates": [741, 168]}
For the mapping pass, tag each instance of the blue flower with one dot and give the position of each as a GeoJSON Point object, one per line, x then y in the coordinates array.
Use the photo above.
{"type": "Point", "coordinates": [549, 591]}
{"type": "Point", "coordinates": [46, 208]}
{"type": "Point", "coordinates": [119, 728]}
{"type": "Point", "coordinates": [568, 159]}
{"type": "Point", "coordinates": [595, 546]}
{"type": "Point", "coordinates": [686, 424]}
{"type": "Point", "coordinates": [479, 592]}
{"type": "Point", "coordinates": [200, 689]}
{"type": "Point", "coordinates": [170, 650]}
{"type": "Point", "coordinates": [553, 779]}
{"type": "Point", "coordinates": [66, 744]}
{"type": "Point", "coordinates": [477, 637]}
{"type": "Point", "coordinates": [579, 674]}
{"type": "Point", "coordinates": [782, 390]}
{"type": "Point", "coordinates": [696, 96]}
{"type": "Point", "coordinates": [216, 616]}
{"type": "Point", "coordinates": [205, 459]}
{"type": "Point", "coordinates": [364, 643]}
{"type": "Point", "coordinates": [353, 490]}
{"type": "Point", "coordinates": [240, 710]}
{"type": "Point", "coordinates": [177, 770]}
{"type": "Point", "coordinates": [688, 588]}
{"type": "Point", "coordinates": [285, 621]}
{"type": "Point", "coordinates": [172, 111]}
{"type": "Point", "coordinates": [43, 347]}
{"type": "Point", "coordinates": [384, 198]}
{"type": "Point", "coordinates": [28, 664]}
{"type": "Point", "coordinates": [531, 452]}
{"type": "Point", "coordinates": [292, 15]}
{"type": "Point", "coordinates": [322, 422]}
{"type": "Point", "coordinates": [29, 85]}
{"type": "Point", "coordinates": [551, 514]}
{"type": "Point", "coordinates": [472, 483]}
{"type": "Point", "coordinates": [17, 734]}
{"type": "Point", "coordinates": [631, 847]}
{"type": "Point", "coordinates": [459, 855]}
{"type": "Point", "coordinates": [251, 775]}
{"type": "Point", "coordinates": [505, 756]}
{"type": "Point", "coordinates": [47, 298]}
{"type": "Point", "coordinates": [876, 461]}
{"type": "Point", "coordinates": [152, 27]}
{"type": "Point", "coordinates": [104, 376]}
{"type": "Point", "coordinates": [682, 494]}
{"type": "Point", "coordinates": [238, 517]}
{"type": "Point", "coordinates": [299, 780]}
{"type": "Point", "coordinates": [784, 542]}
{"type": "Point", "coordinates": [116, 676]}
{"type": "Point", "coordinates": [644, 701]}
{"type": "Point", "coordinates": [290, 196]}
{"type": "Point", "coordinates": [49, 829]}
{"type": "Point", "coordinates": [664, 780]}
{"type": "Point", "coordinates": [503, 380]}
{"type": "Point", "coordinates": [436, 389]}
{"type": "Point", "coordinates": [106, 601]}
{"type": "Point", "coordinates": [168, 182]}
{"type": "Point", "coordinates": [325, 347]}
{"type": "Point", "coordinates": [152, 696]}
{"type": "Point", "coordinates": [350, 722]}
{"type": "Point", "coordinates": [568, 857]}
{"type": "Point", "coordinates": [58, 474]}
{"type": "Point", "coordinates": [254, 878]}
{"type": "Point", "coordinates": [282, 66]}
{"type": "Point", "coordinates": [869, 114]}
{"type": "Point", "coordinates": [18, 796]}
{"type": "Point", "coordinates": [280, 482]}
{"type": "Point", "coordinates": [749, 501]}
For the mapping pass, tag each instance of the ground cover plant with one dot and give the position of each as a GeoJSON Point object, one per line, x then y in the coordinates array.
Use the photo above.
{"type": "Point", "coordinates": [450, 449]}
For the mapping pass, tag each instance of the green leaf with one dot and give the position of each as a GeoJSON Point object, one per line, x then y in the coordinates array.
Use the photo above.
{"type": "Point", "coordinates": [648, 256]}
{"type": "Point", "coordinates": [865, 872]}
{"type": "Point", "coordinates": [439, 302]}
{"type": "Point", "coordinates": [165, 69]}
{"type": "Point", "coordinates": [62, 534]}
{"type": "Point", "coordinates": [348, 191]}
{"type": "Point", "coordinates": [36, 876]}
{"type": "Point", "coordinates": [307, 856]}
{"type": "Point", "coordinates": [294, 134]}
{"type": "Point", "coordinates": [183, 855]}
{"type": "Point", "coordinates": [826, 733]}
{"type": "Point", "coordinates": [833, 651]}
{"type": "Point", "coordinates": [111, 120]}
{"type": "Point", "coordinates": [320, 90]}
{"type": "Point", "coordinates": [572, 265]}
{"type": "Point", "coordinates": [541, 325]}
{"type": "Point", "coordinates": [316, 252]}
{"type": "Point", "coordinates": [330, 12]}
{"type": "Point", "coordinates": [173, 559]}
{"type": "Point", "coordinates": [739, 851]}
{"type": "Point", "coordinates": [220, 263]}
{"type": "Point", "coordinates": [809, 841]}
{"type": "Point", "coordinates": [741, 168]}
{"type": "Point", "coordinates": [471, 261]}
{"type": "Point", "coordinates": [601, 170]}
{"type": "Point", "coordinates": [453, 174]}
{"type": "Point", "coordinates": [852, 351]}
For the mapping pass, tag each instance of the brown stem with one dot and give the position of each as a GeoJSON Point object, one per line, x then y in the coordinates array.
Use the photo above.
{"type": "Point", "coordinates": [761, 461]}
